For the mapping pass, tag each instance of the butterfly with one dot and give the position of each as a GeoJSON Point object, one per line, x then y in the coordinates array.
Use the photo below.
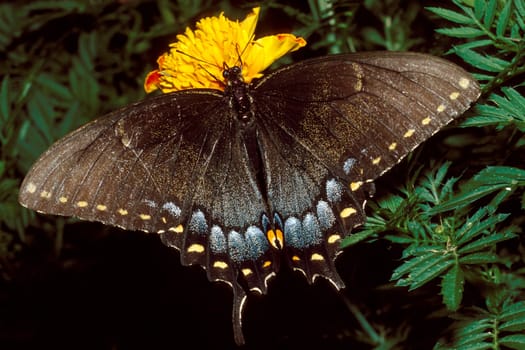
{"type": "Point", "coordinates": [270, 172]}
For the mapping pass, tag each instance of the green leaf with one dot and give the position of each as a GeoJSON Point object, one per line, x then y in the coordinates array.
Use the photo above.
{"type": "Point", "coordinates": [490, 13]}
{"type": "Point", "coordinates": [474, 344]}
{"type": "Point", "coordinates": [451, 16]}
{"type": "Point", "coordinates": [452, 287]}
{"type": "Point", "coordinates": [472, 45]}
{"type": "Point", "coordinates": [480, 8]}
{"type": "Point", "coordinates": [513, 318]}
{"type": "Point", "coordinates": [5, 101]}
{"type": "Point", "coordinates": [430, 269]}
{"type": "Point", "coordinates": [461, 32]}
{"type": "Point", "coordinates": [487, 63]}
{"type": "Point", "coordinates": [407, 266]}
{"type": "Point", "coordinates": [515, 341]}
{"type": "Point", "coordinates": [503, 19]}
{"type": "Point", "coordinates": [41, 114]}
{"type": "Point", "coordinates": [357, 237]}
{"type": "Point", "coordinates": [516, 325]}
{"type": "Point", "coordinates": [513, 310]}
{"type": "Point", "coordinates": [52, 86]}
{"type": "Point", "coordinates": [479, 258]}
{"type": "Point", "coordinates": [486, 242]}
{"type": "Point", "coordinates": [465, 233]}
{"type": "Point", "coordinates": [520, 7]}
{"type": "Point", "coordinates": [474, 326]}
{"type": "Point", "coordinates": [486, 182]}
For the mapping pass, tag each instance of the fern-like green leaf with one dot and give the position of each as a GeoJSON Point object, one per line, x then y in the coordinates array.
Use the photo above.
{"type": "Point", "coordinates": [487, 241]}
{"type": "Point", "coordinates": [461, 32]}
{"type": "Point", "coordinates": [490, 12]}
{"type": "Point", "coordinates": [487, 63]}
{"type": "Point", "coordinates": [513, 318]}
{"type": "Point", "coordinates": [450, 15]}
{"type": "Point", "coordinates": [479, 258]}
{"type": "Point", "coordinates": [486, 182]}
{"type": "Point", "coordinates": [452, 287]}
{"type": "Point", "coordinates": [515, 341]}
{"type": "Point", "coordinates": [503, 19]}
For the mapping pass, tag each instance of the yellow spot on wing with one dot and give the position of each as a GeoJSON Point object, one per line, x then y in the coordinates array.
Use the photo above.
{"type": "Point", "coordinates": [220, 265]}
{"type": "Point", "coordinates": [317, 257]}
{"type": "Point", "coordinates": [101, 207]}
{"type": "Point", "coordinates": [392, 146]}
{"type": "Point", "coordinates": [178, 229]}
{"type": "Point", "coordinates": [409, 133]}
{"type": "Point", "coordinates": [82, 204]}
{"type": "Point", "coordinates": [164, 219]}
{"type": "Point", "coordinates": [334, 238]}
{"type": "Point", "coordinates": [45, 194]}
{"type": "Point", "coordinates": [376, 161]}
{"type": "Point", "coordinates": [464, 83]}
{"type": "Point", "coordinates": [267, 263]}
{"type": "Point", "coordinates": [122, 212]}
{"type": "Point", "coordinates": [246, 271]}
{"type": "Point", "coordinates": [441, 108]}
{"type": "Point", "coordinates": [296, 258]}
{"type": "Point", "coordinates": [145, 216]}
{"type": "Point", "coordinates": [359, 75]}
{"type": "Point", "coordinates": [31, 187]}
{"type": "Point", "coordinates": [195, 248]}
{"type": "Point", "coordinates": [426, 121]}
{"type": "Point", "coordinates": [62, 199]}
{"type": "Point", "coordinates": [454, 96]}
{"type": "Point", "coordinates": [346, 212]}
{"type": "Point", "coordinates": [354, 186]}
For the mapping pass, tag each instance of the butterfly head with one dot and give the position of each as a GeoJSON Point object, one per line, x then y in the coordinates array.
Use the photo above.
{"type": "Point", "coordinates": [232, 76]}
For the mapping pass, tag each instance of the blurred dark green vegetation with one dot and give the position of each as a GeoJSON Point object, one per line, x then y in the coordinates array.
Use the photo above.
{"type": "Point", "coordinates": [439, 264]}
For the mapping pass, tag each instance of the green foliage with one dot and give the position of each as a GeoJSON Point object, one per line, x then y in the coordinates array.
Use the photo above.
{"type": "Point", "coordinates": [500, 111]}
{"type": "Point", "coordinates": [501, 327]}
{"type": "Point", "coordinates": [463, 234]}
{"type": "Point", "coordinates": [64, 63]}
{"type": "Point", "coordinates": [488, 23]}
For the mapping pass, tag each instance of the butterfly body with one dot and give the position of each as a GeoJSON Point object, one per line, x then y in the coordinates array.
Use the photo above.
{"type": "Point", "coordinates": [238, 179]}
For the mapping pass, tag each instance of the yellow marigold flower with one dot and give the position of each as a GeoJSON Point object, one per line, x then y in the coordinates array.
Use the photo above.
{"type": "Point", "coordinates": [199, 57]}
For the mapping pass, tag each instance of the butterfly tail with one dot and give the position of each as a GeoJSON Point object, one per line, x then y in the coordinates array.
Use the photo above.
{"type": "Point", "coordinates": [239, 299]}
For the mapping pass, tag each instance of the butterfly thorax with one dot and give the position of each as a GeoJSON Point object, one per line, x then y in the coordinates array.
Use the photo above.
{"type": "Point", "coordinates": [238, 93]}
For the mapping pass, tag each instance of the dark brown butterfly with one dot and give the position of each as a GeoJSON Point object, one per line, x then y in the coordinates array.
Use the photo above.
{"type": "Point", "coordinates": [239, 179]}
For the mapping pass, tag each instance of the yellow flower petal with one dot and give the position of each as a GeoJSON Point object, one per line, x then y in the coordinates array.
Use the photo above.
{"type": "Point", "coordinates": [199, 57]}
{"type": "Point", "coordinates": [268, 49]}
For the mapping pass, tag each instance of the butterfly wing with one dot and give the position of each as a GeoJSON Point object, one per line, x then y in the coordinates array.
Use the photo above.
{"type": "Point", "coordinates": [180, 165]}
{"type": "Point", "coordinates": [340, 122]}
{"type": "Point", "coordinates": [168, 165]}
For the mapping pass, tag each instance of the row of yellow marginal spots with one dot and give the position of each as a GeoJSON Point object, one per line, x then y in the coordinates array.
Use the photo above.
{"type": "Point", "coordinates": [464, 83]}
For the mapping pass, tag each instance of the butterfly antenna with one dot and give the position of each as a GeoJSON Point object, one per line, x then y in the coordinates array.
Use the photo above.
{"type": "Point", "coordinates": [200, 65]}
{"type": "Point", "coordinates": [239, 54]}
